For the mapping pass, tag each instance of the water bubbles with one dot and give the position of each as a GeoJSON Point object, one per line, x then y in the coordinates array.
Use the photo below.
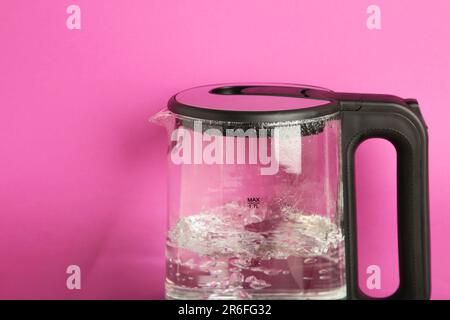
{"type": "Point", "coordinates": [230, 249]}
{"type": "Point", "coordinates": [221, 264]}
{"type": "Point", "coordinates": [215, 233]}
{"type": "Point", "coordinates": [212, 285]}
{"type": "Point", "coordinates": [236, 279]}
{"type": "Point", "coordinates": [190, 264]}
{"type": "Point", "coordinates": [223, 232]}
{"type": "Point", "coordinates": [256, 283]}
{"type": "Point", "coordinates": [217, 272]}
{"type": "Point", "coordinates": [240, 263]}
{"type": "Point", "coordinates": [260, 284]}
{"type": "Point", "coordinates": [258, 269]}
{"type": "Point", "coordinates": [267, 271]}
{"type": "Point", "coordinates": [310, 260]}
{"type": "Point", "coordinates": [207, 265]}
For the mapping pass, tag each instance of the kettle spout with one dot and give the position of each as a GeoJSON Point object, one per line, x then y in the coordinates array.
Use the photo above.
{"type": "Point", "coordinates": [163, 118]}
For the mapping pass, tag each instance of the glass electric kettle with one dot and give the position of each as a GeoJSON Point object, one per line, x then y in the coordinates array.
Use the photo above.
{"type": "Point", "coordinates": [261, 191]}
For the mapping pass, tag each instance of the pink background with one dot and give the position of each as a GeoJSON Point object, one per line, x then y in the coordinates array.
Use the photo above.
{"type": "Point", "coordinates": [82, 173]}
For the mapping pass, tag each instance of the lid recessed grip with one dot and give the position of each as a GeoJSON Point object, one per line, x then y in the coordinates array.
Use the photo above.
{"type": "Point", "coordinates": [278, 91]}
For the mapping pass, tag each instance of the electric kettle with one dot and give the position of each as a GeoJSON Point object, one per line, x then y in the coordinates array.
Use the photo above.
{"type": "Point", "coordinates": [262, 194]}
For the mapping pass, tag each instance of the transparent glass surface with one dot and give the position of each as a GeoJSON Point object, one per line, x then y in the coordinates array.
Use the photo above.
{"type": "Point", "coordinates": [255, 210]}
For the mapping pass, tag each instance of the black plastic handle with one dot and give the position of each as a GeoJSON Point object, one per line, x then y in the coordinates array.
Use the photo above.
{"type": "Point", "coordinates": [400, 122]}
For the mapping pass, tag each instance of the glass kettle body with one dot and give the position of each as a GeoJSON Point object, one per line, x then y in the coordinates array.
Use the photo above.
{"type": "Point", "coordinates": [261, 193]}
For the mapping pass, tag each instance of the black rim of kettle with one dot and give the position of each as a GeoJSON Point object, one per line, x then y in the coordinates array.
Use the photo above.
{"type": "Point", "coordinates": [330, 106]}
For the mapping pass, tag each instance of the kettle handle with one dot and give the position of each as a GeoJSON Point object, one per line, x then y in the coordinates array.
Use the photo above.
{"type": "Point", "coordinates": [400, 122]}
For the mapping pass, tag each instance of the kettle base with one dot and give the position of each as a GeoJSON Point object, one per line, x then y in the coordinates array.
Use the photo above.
{"type": "Point", "coordinates": [174, 292]}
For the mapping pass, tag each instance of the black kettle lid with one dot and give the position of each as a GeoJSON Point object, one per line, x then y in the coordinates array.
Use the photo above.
{"type": "Point", "coordinates": [254, 102]}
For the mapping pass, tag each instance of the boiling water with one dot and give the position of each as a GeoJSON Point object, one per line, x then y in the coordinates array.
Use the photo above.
{"type": "Point", "coordinates": [231, 252]}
